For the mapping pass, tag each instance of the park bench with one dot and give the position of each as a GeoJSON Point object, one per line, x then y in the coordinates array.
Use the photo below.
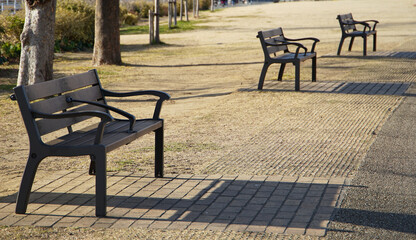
{"type": "Point", "coordinates": [60, 104]}
{"type": "Point", "coordinates": [276, 50]}
{"type": "Point", "coordinates": [349, 29]}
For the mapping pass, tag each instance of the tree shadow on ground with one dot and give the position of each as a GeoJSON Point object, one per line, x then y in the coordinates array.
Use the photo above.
{"type": "Point", "coordinates": [398, 222]}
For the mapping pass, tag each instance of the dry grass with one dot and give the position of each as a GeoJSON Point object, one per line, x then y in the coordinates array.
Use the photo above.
{"type": "Point", "coordinates": [203, 70]}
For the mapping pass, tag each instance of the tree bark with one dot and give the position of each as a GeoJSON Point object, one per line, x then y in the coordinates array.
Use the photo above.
{"type": "Point", "coordinates": [107, 33]}
{"type": "Point", "coordinates": [37, 39]}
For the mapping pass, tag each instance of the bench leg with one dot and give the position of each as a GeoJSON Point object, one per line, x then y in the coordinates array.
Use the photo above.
{"type": "Point", "coordinates": [282, 69]}
{"type": "Point", "coordinates": [159, 152]}
{"type": "Point", "coordinates": [314, 69]}
{"type": "Point", "coordinates": [351, 42]}
{"type": "Point", "coordinates": [365, 46]}
{"type": "Point", "coordinates": [340, 45]}
{"type": "Point", "coordinates": [263, 75]}
{"type": "Point", "coordinates": [297, 76]}
{"type": "Point", "coordinates": [92, 170]}
{"type": "Point", "coordinates": [27, 182]}
{"type": "Point", "coordinates": [100, 184]}
{"type": "Point", "coordinates": [375, 42]}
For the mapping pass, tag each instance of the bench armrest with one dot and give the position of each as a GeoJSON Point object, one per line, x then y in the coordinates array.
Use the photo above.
{"type": "Point", "coordinates": [315, 40]}
{"type": "Point", "coordinates": [105, 117]}
{"type": "Point", "coordinates": [132, 119]}
{"type": "Point", "coordinates": [162, 97]}
{"type": "Point", "coordinates": [283, 43]}
{"type": "Point", "coordinates": [374, 25]}
{"type": "Point", "coordinates": [364, 23]}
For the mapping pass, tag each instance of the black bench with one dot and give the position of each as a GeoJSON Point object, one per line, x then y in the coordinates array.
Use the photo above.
{"type": "Point", "coordinates": [276, 50]}
{"type": "Point", "coordinates": [59, 104]}
{"type": "Point", "coordinates": [349, 29]}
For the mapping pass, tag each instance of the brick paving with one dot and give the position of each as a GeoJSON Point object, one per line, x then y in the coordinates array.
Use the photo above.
{"type": "Point", "coordinates": [272, 204]}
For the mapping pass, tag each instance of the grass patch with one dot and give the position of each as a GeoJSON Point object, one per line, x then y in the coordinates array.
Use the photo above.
{"type": "Point", "coordinates": [7, 87]}
{"type": "Point", "coordinates": [163, 28]}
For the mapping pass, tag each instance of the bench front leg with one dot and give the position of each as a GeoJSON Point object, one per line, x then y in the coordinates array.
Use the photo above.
{"type": "Point", "coordinates": [100, 183]}
{"type": "Point", "coordinates": [159, 152]}
{"type": "Point", "coordinates": [340, 45]}
{"type": "Point", "coordinates": [27, 182]}
{"type": "Point", "coordinates": [263, 75]}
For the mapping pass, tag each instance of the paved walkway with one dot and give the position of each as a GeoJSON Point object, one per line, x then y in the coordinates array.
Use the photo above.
{"type": "Point", "coordinates": [272, 204]}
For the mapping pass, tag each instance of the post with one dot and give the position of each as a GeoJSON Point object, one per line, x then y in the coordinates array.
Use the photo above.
{"type": "Point", "coordinates": [194, 8]}
{"type": "Point", "coordinates": [181, 10]}
{"type": "Point", "coordinates": [157, 39]}
{"type": "Point", "coordinates": [151, 27]}
{"type": "Point", "coordinates": [212, 5]}
{"type": "Point", "coordinates": [186, 10]}
{"type": "Point", "coordinates": [197, 8]}
{"type": "Point", "coordinates": [175, 22]}
{"type": "Point", "coordinates": [170, 14]}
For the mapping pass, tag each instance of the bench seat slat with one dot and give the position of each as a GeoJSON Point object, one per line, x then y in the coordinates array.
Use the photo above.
{"type": "Point", "coordinates": [290, 56]}
{"type": "Point", "coordinates": [116, 134]}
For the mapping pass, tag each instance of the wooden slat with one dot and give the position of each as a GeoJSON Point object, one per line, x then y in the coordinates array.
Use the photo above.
{"type": "Point", "coordinates": [115, 134]}
{"type": "Point", "coordinates": [46, 126]}
{"type": "Point", "coordinates": [53, 87]}
{"type": "Point", "coordinates": [347, 18]}
{"type": "Point", "coordinates": [272, 33]}
{"type": "Point", "coordinates": [58, 103]}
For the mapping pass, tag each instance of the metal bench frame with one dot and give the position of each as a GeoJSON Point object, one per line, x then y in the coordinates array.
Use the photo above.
{"type": "Point", "coordinates": [59, 104]}
{"type": "Point", "coordinates": [349, 29]}
{"type": "Point", "coordinates": [276, 50]}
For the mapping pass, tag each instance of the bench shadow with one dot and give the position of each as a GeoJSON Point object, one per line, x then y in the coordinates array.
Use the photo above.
{"type": "Point", "coordinates": [363, 88]}
{"type": "Point", "coordinates": [375, 55]}
{"type": "Point", "coordinates": [306, 204]}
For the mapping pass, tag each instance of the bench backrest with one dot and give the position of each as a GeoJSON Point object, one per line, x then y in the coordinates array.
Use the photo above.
{"type": "Point", "coordinates": [50, 97]}
{"type": "Point", "coordinates": [271, 36]}
{"type": "Point", "coordinates": [346, 22]}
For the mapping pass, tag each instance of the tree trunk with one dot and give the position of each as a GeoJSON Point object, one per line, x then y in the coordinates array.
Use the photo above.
{"type": "Point", "coordinates": [107, 33]}
{"type": "Point", "coordinates": [37, 38]}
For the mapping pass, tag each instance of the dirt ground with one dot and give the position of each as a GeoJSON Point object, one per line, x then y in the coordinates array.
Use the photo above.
{"type": "Point", "coordinates": [205, 72]}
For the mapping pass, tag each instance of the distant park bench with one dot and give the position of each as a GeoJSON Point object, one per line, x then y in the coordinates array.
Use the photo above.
{"type": "Point", "coordinates": [276, 50]}
{"type": "Point", "coordinates": [349, 29]}
{"type": "Point", "coordinates": [59, 104]}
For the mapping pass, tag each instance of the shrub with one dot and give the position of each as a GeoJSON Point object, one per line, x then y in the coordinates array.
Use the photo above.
{"type": "Point", "coordinates": [11, 27]}
{"type": "Point", "coordinates": [74, 29]}
{"type": "Point", "coordinates": [130, 19]}
{"type": "Point", "coordinates": [205, 4]}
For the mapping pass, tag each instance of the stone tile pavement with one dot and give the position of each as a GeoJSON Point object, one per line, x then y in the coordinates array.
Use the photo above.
{"type": "Point", "coordinates": [272, 204]}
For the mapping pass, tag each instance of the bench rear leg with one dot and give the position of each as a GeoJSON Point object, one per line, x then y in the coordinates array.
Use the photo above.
{"type": "Point", "coordinates": [282, 69]}
{"type": "Point", "coordinates": [351, 42]}
{"type": "Point", "coordinates": [159, 152]}
{"type": "Point", "coordinates": [365, 46]}
{"type": "Point", "coordinates": [92, 170]}
{"type": "Point", "coordinates": [340, 45]}
{"type": "Point", "coordinates": [314, 69]}
{"type": "Point", "coordinates": [263, 75]}
{"type": "Point", "coordinates": [27, 182]}
{"type": "Point", "coordinates": [297, 76]}
{"type": "Point", "coordinates": [375, 42]}
{"type": "Point", "coordinates": [100, 184]}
